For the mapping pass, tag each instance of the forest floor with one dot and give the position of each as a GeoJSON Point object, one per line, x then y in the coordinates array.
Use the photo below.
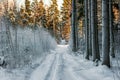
{"type": "Point", "coordinates": [61, 64]}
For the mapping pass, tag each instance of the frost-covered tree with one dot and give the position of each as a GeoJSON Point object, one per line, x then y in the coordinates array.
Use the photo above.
{"type": "Point", "coordinates": [65, 14]}
{"type": "Point", "coordinates": [54, 18]}
{"type": "Point", "coordinates": [39, 13]}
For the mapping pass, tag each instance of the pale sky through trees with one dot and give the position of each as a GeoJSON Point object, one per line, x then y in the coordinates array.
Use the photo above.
{"type": "Point", "coordinates": [47, 2]}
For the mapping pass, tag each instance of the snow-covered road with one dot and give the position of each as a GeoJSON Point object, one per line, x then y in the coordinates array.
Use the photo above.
{"type": "Point", "coordinates": [60, 65]}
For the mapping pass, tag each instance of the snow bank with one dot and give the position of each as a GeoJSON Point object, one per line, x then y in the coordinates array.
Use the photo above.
{"type": "Point", "coordinates": [11, 75]}
{"type": "Point", "coordinates": [3, 75]}
{"type": "Point", "coordinates": [30, 45]}
{"type": "Point", "coordinates": [59, 65]}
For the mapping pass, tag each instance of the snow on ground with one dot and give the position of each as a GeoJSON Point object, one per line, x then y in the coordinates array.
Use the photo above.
{"type": "Point", "coordinates": [64, 66]}
{"type": "Point", "coordinates": [60, 64]}
{"type": "Point", "coordinates": [22, 46]}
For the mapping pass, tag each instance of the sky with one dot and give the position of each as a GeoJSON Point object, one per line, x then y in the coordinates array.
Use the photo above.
{"type": "Point", "coordinates": [47, 2]}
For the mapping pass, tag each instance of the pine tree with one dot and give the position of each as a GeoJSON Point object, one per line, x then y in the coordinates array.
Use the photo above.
{"type": "Point", "coordinates": [27, 5]}
{"type": "Point", "coordinates": [28, 15]}
{"type": "Point", "coordinates": [42, 14]}
{"type": "Point", "coordinates": [65, 14]}
{"type": "Point", "coordinates": [22, 17]}
{"type": "Point", "coordinates": [54, 18]}
{"type": "Point", "coordinates": [39, 12]}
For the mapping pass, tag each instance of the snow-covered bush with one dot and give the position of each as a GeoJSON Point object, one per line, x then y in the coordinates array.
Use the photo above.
{"type": "Point", "coordinates": [26, 45]}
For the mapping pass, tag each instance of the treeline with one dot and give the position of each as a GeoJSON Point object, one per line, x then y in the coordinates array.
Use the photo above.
{"type": "Point", "coordinates": [35, 13]}
{"type": "Point", "coordinates": [100, 17]}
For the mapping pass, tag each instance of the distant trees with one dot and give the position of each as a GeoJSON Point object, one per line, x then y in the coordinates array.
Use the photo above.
{"type": "Point", "coordinates": [39, 13]}
{"type": "Point", "coordinates": [17, 45]}
{"type": "Point", "coordinates": [36, 13]}
{"type": "Point", "coordinates": [54, 18]}
{"type": "Point", "coordinates": [65, 22]}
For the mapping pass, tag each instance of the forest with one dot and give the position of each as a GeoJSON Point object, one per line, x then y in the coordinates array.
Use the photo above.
{"type": "Point", "coordinates": [60, 39]}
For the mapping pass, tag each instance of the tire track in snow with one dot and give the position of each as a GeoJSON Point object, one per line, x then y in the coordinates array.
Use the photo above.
{"type": "Point", "coordinates": [31, 69]}
{"type": "Point", "coordinates": [61, 68]}
{"type": "Point", "coordinates": [59, 71]}
{"type": "Point", "coordinates": [42, 71]}
{"type": "Point", "coordinates": [53, 71]}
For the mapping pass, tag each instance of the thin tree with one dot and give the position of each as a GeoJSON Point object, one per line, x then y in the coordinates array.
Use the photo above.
{"type": "Point", "coordinates": [95, 45]}
{"type": "Point", "coordinates": [97, 36]}
{"type": "Point", "coordinates": [87, 30]}
{"type": "Point", "coordinates": [105, 33]}
{"type": "Point", "coordinates": [74, 27]}
{"type": "Point", "coordinates": [89, 16]}
{"type": "Point", "coordinates": [111, 29]}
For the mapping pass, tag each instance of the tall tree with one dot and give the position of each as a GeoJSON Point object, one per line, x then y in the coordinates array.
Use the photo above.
{"type": "Point", "coordinates": [39, 12]}
{"type": "Point", "coordinates": [54, 17]}
{"type": "Point", "coordinates": [87, 29]}
{"type": "Point", "coordinates": [105, 33]}
{"type": "Point", "coordinates": [97, 36]}
{"type": "Point", "coordinates": [27, 5]}
{"type": "Point", "coordinates": [74, 30]}
{"type": "Point", "coordinates": [66, 9]}
{"type": "Point", "coordinates": [111, 29]}
{"type": "Point", "coordinates": [89, 12]}
{"type": "Point", "coordinates": [94, 27]}
{"type": "Point", "coordinates": [42, 14]}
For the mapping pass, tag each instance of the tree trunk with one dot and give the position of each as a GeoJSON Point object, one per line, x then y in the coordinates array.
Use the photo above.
{"type": "Point", "coordinates": [95, 52]}
{"type": "Point", "coordinates": [90, 44]}
{"type": "Point", "coordinates": [74, 27]}
{"type": "Point", "coordinates": [105, 33]}
{"type": "Point", "coordinates": [87, 30]}
{"type": "Point", "coordinates": [16, 47]}
{"type": "Point", "coordinates": [111, 29]}
{"type": "Point", "coordinates": [97, 36]}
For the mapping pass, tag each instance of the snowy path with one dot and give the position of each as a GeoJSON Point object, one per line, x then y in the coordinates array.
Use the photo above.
{"type": "Point", "coordinates": [62, 66]}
